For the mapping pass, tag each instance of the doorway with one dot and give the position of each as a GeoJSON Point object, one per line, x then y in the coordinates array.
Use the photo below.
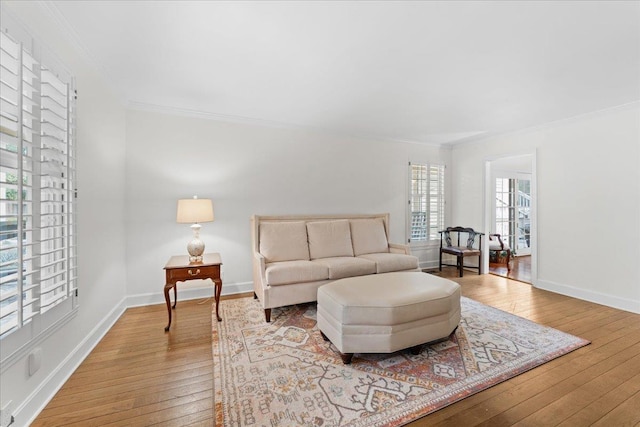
{"type": "Point", "coordinates": [512, 213]}
{"type": "Point", "coordinates": [510, 190]}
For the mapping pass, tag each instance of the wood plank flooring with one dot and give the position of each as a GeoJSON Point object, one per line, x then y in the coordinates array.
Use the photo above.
{"type": "Point", "coordinates": [138, 375]}
{"type": "Point", "coordinates": [520, 269]}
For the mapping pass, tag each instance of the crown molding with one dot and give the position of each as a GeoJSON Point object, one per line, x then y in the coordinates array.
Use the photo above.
{"type": "Point", "coordinates": [184, 112]}
{"type": "Point", "coordinates": [568, 120]}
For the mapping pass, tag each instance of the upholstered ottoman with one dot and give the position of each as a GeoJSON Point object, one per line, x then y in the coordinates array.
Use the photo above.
{"type": "Point", "coordinates": [383, 313]}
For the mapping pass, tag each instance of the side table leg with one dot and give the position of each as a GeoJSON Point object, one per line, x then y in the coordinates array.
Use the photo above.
{"type": "Point", "coordinates": [218, 291]}
{"type": "Point", "coordinates": [175, 296]}
{"type": "Point", "coordinates": [167, 288]}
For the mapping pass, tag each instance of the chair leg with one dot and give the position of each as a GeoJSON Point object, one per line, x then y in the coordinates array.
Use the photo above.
{"type": "Point", "coordinates": [440, 268]}
{"type": "Point", "coordinates": [460, 264]}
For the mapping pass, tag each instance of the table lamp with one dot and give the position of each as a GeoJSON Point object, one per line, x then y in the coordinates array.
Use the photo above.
{"type": "Point", "coordinates": [194, 211]}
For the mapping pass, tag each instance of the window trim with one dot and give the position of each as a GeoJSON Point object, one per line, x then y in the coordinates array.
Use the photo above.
{"type": "Point", "coordinates": [17, 342]}
{"type": "Point", "coordinates": [433, 237]}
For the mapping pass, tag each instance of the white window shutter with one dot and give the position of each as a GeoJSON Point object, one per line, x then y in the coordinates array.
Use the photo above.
{"type": "Point", "coordinates": [37, 182]}
{"type": "Point", "coordinates": [426, 201]}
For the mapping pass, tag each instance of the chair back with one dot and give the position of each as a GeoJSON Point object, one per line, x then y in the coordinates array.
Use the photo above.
{"type": "Point", "coordinates": [470, 232]}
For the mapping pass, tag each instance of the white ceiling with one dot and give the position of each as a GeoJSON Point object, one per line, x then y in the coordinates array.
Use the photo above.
{"type": "Point", "coordinates": [430, 72]}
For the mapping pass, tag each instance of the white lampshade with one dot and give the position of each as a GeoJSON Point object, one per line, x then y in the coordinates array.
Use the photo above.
{"type": "Point", "coordinates": [194, 211]}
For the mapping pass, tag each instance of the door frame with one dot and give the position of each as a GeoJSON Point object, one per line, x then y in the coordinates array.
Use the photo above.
{"type": "Point", "coordinates": [488, 207]}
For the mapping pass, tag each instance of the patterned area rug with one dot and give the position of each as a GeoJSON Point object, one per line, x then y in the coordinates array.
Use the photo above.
{"type": "Point", "coordinates": [284, 374]}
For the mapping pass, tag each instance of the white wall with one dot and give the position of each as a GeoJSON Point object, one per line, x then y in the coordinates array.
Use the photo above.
{"type": "Point", "coordinates": [588, 188]}
{"type": "Point", "coordinates": [247, 169]}
{"type": "Point", "coordinates": [102, 269]}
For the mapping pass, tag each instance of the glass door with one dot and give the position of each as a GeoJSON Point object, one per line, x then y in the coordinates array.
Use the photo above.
{"type": "Point", "coordinates": [513, 212]}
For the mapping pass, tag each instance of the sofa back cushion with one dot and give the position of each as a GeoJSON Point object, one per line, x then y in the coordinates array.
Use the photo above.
{"type": "Point", "coordinates": [369, 236]}
{"type": "Point", "coordinates": [329, 239]}
{"type": "Point", "coordinates": [284, 241]}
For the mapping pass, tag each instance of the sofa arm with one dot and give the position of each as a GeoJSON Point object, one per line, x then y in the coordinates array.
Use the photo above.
{"type": "Point", "coordinates": [259, 278]}
{"type": "Point", "coordinates": [395, 248]}
{"type": "Point", "coordinates": [259, 265]}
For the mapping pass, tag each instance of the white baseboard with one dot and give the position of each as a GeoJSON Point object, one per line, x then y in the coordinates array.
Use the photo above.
{"type": "Point", "coordinates": [237, 288]}
{"type": "Point", "coordinates": [188, 294]}
{"type": "Point", "coordinates": [41, 396]}
{"type": "Point", "coordinates": [597, 297]}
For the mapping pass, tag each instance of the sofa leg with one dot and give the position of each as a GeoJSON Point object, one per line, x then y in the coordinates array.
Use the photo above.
{"type": "Point", "coordinates": [267, 314]}
{"type": "Point", "coordinates": [255, 296]}
{"type": "Point", "coordinates": [415, 350]}
{"type": "Point", "coordinates": [324, 337]}
{"type": "Point", "coordinates": [346, 358]}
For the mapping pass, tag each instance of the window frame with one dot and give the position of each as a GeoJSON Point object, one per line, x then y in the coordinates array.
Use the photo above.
{"type": "Point", "coordinates": [44, 146]}
{"type": "Point", "coordinates": [432, 225]}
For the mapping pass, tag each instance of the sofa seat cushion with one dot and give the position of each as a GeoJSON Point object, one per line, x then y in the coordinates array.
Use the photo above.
{"type": "Point", "coordinates": [369, 236]}
{"type": "Point", "coordinates": [388, 262]}
{"type": "Point", "coordinates": [284, 241]}
{"type": "Point", "coordinates": [287, 272]}
{"type": "Point", "coordinates": [341, 267]}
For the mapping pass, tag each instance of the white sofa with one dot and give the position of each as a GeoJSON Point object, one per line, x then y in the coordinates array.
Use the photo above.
{"type": "Point", "coordinates": [294, 255]}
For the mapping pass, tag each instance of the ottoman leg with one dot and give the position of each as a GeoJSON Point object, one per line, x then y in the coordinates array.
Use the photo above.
{"type": "Point", "coordinates": [346, 358]}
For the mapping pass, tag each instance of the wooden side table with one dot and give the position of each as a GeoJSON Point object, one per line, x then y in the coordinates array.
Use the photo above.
{"type": "Point", "coordinates": [179, 269]}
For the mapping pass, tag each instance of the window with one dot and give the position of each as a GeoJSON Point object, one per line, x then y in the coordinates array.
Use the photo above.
{"type": "Point", "coordinates": [426, 201]}
{"type": "Point", "coordinates": [38, 269]}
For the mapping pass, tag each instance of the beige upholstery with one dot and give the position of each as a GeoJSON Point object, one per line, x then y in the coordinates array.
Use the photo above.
{"type": "Point", "coordinates": [384, 313]}
{"type": "Point", "coordinates": [341, 267]}
{"type": "Point", "coordinates": [329, 239]}
{"type": "Point", "coordinates": [285, 272]}
{"type": "Point", "coordinates": [386, 263]}
{"type": "Point", "coordinates": [284, 241]}
{"type": "Point", "coordinates": [368, 236]}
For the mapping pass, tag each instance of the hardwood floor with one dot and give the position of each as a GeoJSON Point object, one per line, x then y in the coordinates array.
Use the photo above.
{"type": "Point", "coordinates": [520, 269]}
{"type": "Point", "coordinates": [138, 375]}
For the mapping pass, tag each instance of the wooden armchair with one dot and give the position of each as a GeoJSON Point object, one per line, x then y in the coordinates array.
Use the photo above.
{"type": "Point", "coordinates": [498, 250]}
{"type": "Point", "coordinates": [460, 252]}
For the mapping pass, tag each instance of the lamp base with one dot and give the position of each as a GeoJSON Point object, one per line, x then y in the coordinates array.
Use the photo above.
{"type": "Point", "coordinates": [195, 246]}
{"type": "Point", "coordinates": [195, 249]}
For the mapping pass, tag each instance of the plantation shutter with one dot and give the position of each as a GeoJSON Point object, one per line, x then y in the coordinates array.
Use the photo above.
{"type": "Point", "coordinates": [38, 267]}
{"type": "Point", "coordinates": [426, 201]}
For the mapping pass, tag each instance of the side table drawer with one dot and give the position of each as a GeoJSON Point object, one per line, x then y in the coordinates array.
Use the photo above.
{"type": "Point", "coordinates": [195, 272]}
